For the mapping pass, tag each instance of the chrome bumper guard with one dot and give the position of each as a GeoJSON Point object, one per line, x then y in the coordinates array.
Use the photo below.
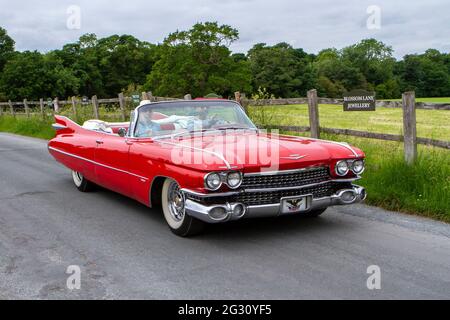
{"type": "Point", "coordinates": [233, 211]}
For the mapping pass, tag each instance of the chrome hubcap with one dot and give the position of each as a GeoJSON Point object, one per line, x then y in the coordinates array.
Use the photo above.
{"type": "Point", "coordinates": [176, 202]}
{"type": "Point", "coordinates": [77, 178]}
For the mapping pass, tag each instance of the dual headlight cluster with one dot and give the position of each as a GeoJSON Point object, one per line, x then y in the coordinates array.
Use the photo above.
{"type": "Point", "coordinates": [214, 180]}
{"type": "Point", "coordinates": [344, 166]}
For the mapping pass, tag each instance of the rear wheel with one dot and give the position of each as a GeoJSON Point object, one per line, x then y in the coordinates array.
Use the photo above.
{"type": "Point", "coordinates": [172, 202]}
{"type": "Point", "coordinates": [81, 182]}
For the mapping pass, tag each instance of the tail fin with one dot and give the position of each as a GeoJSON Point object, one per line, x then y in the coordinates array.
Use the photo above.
{"type": "Point", "coordinates": [64, 125]}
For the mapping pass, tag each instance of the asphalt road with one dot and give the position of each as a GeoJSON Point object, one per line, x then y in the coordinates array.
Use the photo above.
{"type": "Point", "coordinates": [125, 250]}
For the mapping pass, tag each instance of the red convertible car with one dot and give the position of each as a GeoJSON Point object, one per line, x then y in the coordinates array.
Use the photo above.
{"type": "Point", "coordinates": [204, 161]}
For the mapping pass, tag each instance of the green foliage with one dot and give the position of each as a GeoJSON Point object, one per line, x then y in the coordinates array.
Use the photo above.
{"type": "Point", "coordinates": [6, 47]}
{"type": "Point", "coordinates": [281, 69]}
{"type": "Point", "coordinates": [33, 127]}
{"type": "Point", "coordinates": [33, 75]}
{"type": "Point", "coordinates": [198, 61]}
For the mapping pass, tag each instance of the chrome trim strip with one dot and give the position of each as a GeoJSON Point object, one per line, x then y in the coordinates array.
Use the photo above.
{"type": "Point", "coordinates": [58, 126]}
{"type": "Point", "coordinates": [220, 156]}
{"type": "Point", "coordinates": [97, 163]}
{"type": "Point", "coordinates": [345, 145]}
{"type": "Point", "coordinates": [210, 195]}
{"type": "Point", "coordinates": [271, 173]}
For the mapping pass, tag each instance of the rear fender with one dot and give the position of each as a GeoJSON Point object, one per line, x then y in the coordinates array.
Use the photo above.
{"type": "Point", "coordinates": [64, 125]}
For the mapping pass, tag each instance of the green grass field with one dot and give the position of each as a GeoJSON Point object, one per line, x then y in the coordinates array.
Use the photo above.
{"type": "Point", "coordinates": [433, 124]}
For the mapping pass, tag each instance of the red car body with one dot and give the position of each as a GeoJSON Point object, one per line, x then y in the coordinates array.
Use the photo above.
{"type": "Point", "coordinates": [136, 167]}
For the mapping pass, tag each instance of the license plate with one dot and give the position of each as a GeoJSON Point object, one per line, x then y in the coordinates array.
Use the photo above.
{"type": "Point", "coordinates": [295, 204]}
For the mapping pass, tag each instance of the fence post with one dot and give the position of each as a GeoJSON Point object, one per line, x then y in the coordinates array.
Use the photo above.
{"type": "Point", "coordinates": [188, 97]}
{"type": "Point", "coordinates": [239, 97]}
{"type": "Point", "coordinates": [150, 96]}
{"type": "Point", "coordinates": [27, 110]}
{"type": "Point", "coordinates": [409, 126]}
{"type": "Point", "coordinates": [41, 105]}
{"type": "Point", "coordinates": [145, 96]}
{"type": "Point", "coordinates": [313, 113]}
{"type": "Point", "coordinates": [95, 106]}
{"type": "Point", "coordinates": [11, 107]}
{"type": "Point", "coordinates": [1, 110]}
{"type": "Point", "coordinates": [74, 108]}
{"type": "Point", "coordinates": [122, 106]}
{"type": "Point", "coordinates": [56, 105]}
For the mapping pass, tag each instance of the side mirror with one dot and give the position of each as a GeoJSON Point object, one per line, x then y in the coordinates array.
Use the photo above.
{"type": "Point", "coordinates": [122, 132]}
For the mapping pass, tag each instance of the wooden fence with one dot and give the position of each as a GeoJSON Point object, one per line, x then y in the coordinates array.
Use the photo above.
{"type": "Point", "coordinates": [44, 109]}
{"type": "Point", "coordinates": [125, 104]}
{"type": "Point", "coordinates": [408, 104]}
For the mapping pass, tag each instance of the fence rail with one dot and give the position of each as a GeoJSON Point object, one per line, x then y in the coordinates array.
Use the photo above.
{"type": "Point", "coordinates": [122, 105]}
{"type": "Point", "coordinates": [382, 104]}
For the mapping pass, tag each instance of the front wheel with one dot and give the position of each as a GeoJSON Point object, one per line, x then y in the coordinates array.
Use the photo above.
{"type": "Point", "coordinates": [81, 182]}
{"type": "Point", "coordinates": [172, 201]}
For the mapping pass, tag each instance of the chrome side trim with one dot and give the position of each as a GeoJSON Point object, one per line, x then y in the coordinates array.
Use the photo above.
{"type": "Point", "coordinates": [210, 195]}
{"type": "Point", "coordinates": [97, 163]}
{"type": "Point", "coordinates": [218, 155]}
{"type": "Point", "coordinates": [58, 126]}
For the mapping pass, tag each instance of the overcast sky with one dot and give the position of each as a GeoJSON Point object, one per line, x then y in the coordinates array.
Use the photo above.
{"type": "Point", "coordinates": [408, 26]}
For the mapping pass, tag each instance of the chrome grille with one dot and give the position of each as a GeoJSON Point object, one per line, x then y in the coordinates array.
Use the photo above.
{"type": "Point", "coordinates": [288, 179]}
{"type": "Point", "coordinates": [271, 197]}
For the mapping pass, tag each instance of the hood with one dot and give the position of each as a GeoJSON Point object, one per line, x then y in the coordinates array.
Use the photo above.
{"type": "Point", "coordinates": [251, 151]}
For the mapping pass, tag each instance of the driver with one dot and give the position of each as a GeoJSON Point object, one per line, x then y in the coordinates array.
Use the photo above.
{"type": "Point", "coordinates": [146, 126]}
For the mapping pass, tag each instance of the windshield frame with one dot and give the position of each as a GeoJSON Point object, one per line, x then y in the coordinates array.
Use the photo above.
{"type": "Point", "coordinates": [135, 119]}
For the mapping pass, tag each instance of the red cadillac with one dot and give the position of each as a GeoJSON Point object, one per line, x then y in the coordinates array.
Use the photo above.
{"type": "Point", "coordinates": [204, 161]}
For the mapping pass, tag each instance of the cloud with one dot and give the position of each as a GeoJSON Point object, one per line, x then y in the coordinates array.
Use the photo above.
{"type": "Point", "coordinates": [409, 27]}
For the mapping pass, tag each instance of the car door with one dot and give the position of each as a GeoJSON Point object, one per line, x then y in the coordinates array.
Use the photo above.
{"type": "Point", "coordinates": [112, 163]}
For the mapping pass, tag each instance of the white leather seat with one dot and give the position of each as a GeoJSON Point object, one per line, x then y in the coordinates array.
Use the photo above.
{"type": "Point", "coordinates": [97, 125]}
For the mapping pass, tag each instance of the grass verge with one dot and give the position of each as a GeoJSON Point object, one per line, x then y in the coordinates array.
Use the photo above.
{"type": "Point", "coordinates": [32, 127]}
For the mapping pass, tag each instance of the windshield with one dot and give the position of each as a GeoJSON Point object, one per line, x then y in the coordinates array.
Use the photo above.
{"type": "Point", "coordinates": [171, 118]}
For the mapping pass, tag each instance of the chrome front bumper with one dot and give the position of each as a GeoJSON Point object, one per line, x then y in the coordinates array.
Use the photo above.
{"type": "Point", "coordinates": [232, 210]}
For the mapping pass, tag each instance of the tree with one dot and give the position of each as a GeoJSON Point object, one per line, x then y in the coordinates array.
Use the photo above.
{"type": "Point", "coordinates": [199, 61]}
{"type": "Point", "coordinates": [373, 59]}
{"type": "Point", "coordinates": [428, 74]}
{"type": "Point", "coordinates": [336, 75]}
{"type": "Point", "coordinates": [6, 48]}
{"type": "Point", "coordinates": [281, 69]}
{"type": "Point", "coordinates": [33, 75]}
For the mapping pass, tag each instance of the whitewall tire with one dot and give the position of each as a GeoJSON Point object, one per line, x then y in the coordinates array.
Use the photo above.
{"type": "Point", "coordinates": [172, 202]}
{"type": "Point", "coordinates": [81, 182]}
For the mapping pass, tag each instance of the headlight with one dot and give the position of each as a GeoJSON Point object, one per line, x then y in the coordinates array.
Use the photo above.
{"type": "Point", "coordinates": [234, 180]}
{"type": "Point", "coordinates": [342, 168]}
{"type": "Point", "coordinates": [213, 181]}
{"type": "Point", "coordinates": [358, 166]}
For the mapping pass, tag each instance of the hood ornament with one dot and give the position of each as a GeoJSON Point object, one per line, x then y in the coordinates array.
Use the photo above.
{"type": "Point", "coordinates": [294, 157]}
